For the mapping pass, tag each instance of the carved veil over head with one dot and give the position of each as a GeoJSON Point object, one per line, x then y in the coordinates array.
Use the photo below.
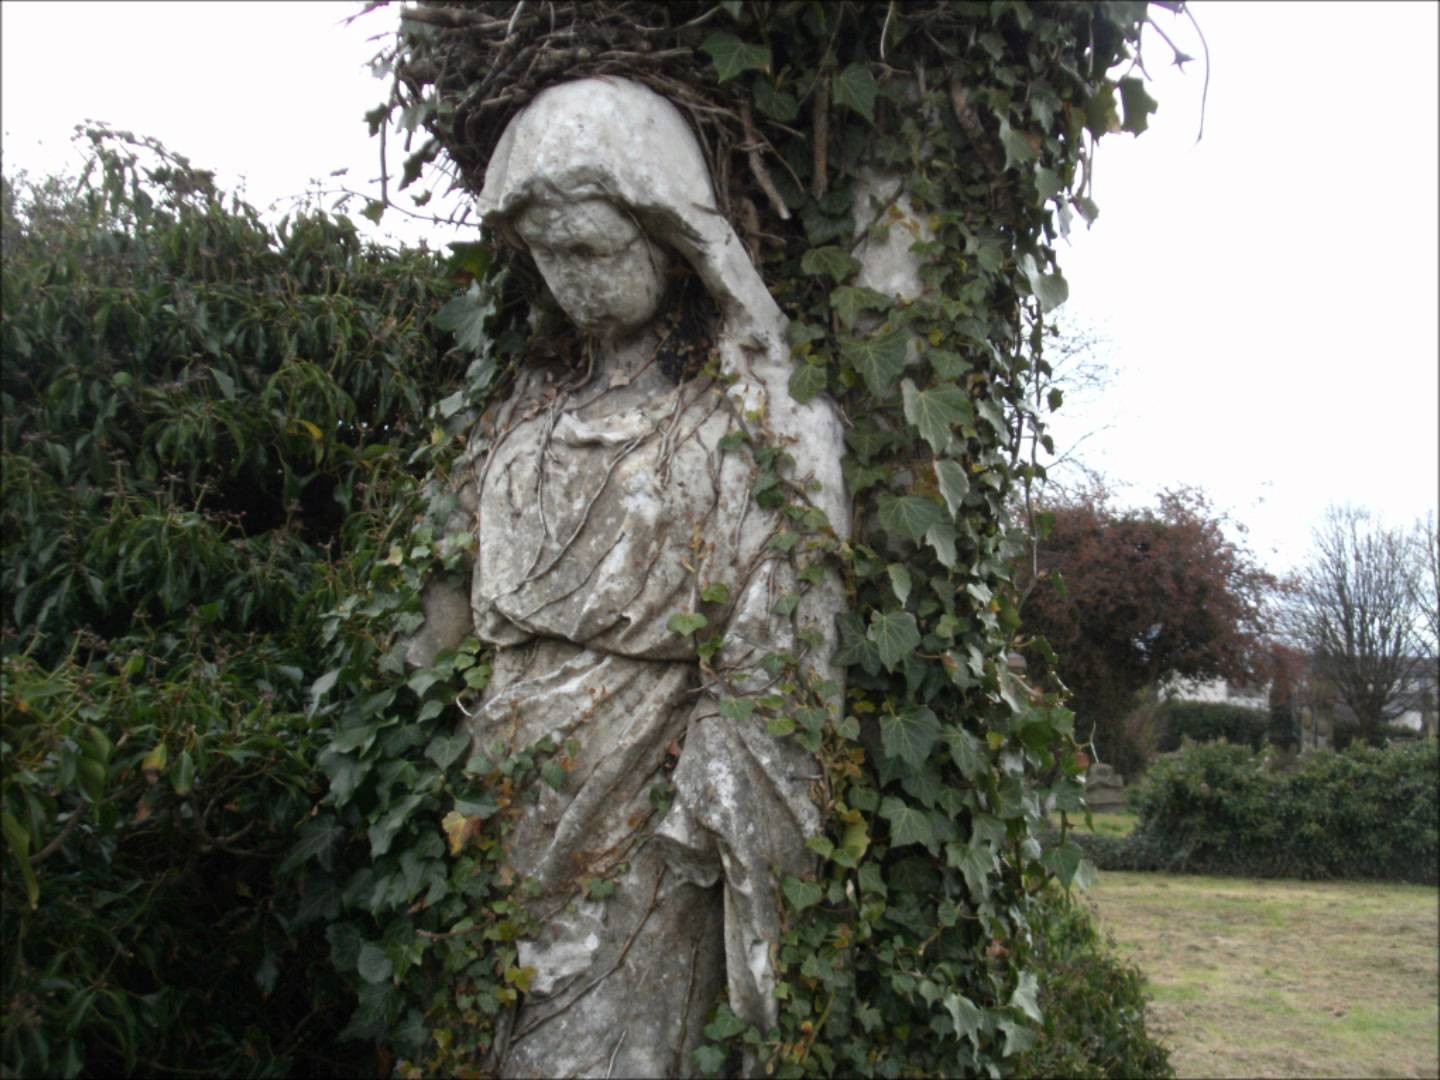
{"type": "Point", "coordinates": [617, 141]}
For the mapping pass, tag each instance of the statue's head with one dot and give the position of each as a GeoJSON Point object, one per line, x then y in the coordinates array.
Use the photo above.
{"type": "Point", "coordinates": [606, 185]}
{"type": "Point", "coordinates": [602, 268]}
{"type": "Point", "coordinates": [603, 181]}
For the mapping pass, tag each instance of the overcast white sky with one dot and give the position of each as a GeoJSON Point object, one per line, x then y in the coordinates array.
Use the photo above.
{"type": "Point", "coordinates": [1268, 296]}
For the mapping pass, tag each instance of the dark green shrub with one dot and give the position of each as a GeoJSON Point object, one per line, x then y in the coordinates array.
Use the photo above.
{"type": "Point", "coordinates": [1207, 721]}
{"type": "Point", "coordinates": [1093, 1002]}
{"type": "Point", "coordinates": [204, 441]}
{"type": "Point", "coordinates": [1215, 808]}
{"type": "Point", "coordinates": [1345, 733]}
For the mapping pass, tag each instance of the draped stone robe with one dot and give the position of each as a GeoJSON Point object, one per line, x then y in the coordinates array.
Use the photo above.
{"type": "Point", "coordinates": [603, 513]}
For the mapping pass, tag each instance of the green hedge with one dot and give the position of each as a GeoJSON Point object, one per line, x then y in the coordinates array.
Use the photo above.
{"type": "Point", "coordinates": [1205, 722]}
{"type": "Point", "coordinates": [206, 427]}
{"type": "Point", "coordinates": [1214, 808]}
{"type": "Point", "coordinates": [1092, 1001]}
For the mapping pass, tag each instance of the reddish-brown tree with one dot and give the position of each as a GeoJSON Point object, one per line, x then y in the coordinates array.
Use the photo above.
{"type": "Point", "coordinates": [1126, 598]}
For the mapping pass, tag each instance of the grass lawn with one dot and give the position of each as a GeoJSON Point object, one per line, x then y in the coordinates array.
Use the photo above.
{"type": "Point", "coordinates": [1108, 822]}
{"type": "Point", "coordinates": [1283, 978]}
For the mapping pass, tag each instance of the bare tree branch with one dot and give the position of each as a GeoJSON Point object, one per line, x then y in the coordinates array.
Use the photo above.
{"type": "Point", "coordinates": [1354, 611]}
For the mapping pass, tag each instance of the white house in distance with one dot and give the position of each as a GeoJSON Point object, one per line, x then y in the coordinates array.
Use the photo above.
{"type": "Point", "coordinates": [1217, 692]}
{"type": "Point", "coordinates": [1418, 695]}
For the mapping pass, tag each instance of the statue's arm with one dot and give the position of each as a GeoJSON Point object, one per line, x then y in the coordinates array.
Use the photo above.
{"type": "Point", "coordinates": [448, 622]}
{"type": "Point", "coordinates": [445, 601]}
{"type": "Point", "coordinates": [742, 807]}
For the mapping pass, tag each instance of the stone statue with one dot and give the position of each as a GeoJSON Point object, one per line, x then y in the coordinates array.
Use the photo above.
{"type": "Point", "coordinates": [604, 504]}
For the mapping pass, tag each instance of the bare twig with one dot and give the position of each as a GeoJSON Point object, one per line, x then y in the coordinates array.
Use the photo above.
{"type": "Point", "coordinates": [1205, 88]}
{"type": "Point", "coordinates": [757, 165]}
{"type": "Point", "coordinates": [969, 122]}
{"type": "Point", "coordinates": [820, 181]}
{"type": "Point", "coordinates": [54, 845]}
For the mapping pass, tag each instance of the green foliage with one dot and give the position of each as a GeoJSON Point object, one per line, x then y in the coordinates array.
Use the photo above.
{"type": "Point", "coordinates": [1346, 732]}
{"type": "Point", "coordinates": [1216, 808]}
{"type": "Point", "coordinates": [206, 431]}
{"type": "Point", "coordinates": [912, 949]}
{"type": "Point", "coordinates": [1093, 1002]}
{"type": "Point", "coordinates": [1207, 721]}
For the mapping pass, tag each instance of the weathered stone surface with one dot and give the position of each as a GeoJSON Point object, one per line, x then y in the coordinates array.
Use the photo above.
{"type": "Point", "coordinates": [447, 622]}
{"type": "Point", "coordinates": [1104, 787]}
{"type": "Point", "coordinates": [605, 506]}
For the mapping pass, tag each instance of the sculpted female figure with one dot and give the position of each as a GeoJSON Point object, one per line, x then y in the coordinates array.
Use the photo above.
{"type": "Point", "coordinates": [606, 506]}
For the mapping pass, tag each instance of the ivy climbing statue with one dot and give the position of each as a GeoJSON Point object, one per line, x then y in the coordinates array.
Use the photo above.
{"type": "Point", "coordinates": [835, 639]}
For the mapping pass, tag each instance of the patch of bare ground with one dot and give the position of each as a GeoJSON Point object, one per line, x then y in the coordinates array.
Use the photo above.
{"type": "Point", "coordinates": [1284, 978]}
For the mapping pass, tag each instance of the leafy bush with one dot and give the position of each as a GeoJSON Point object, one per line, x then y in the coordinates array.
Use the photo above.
{"type": "Point", "coordinates": [1207, 721]}
{"type": "Point", "coordinates": [1215, 808]}
{"type": "Point", "coordinates": [204, 443]}
{"type": "Point", "coordinates": [1093, 1002]}
{"type": "Point", "coordinates": [1345, 733]}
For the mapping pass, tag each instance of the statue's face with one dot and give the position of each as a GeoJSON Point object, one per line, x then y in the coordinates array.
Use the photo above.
{"type": "Point", "coordinates": [601, 268]}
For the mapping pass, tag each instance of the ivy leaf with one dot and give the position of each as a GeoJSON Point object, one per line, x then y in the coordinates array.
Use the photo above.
{"type": "Point", "coordinates": [1047, 184]}
{"type": "Point", "coordinates": [968, 754]}
{"type": "Point", "coordinates": [1087, 208]}
{"type": "Point", "coordinates": [686, 624]}
{"type": "Point", "coordinates": [599, 889]}
{"type": "Point", "coordinates": [465, 317]}
{"type": "Point", "coordinates": [783, 541]}
{"type": "Point", "coordinates": [553, 774]}
{"type": "Point", "coordinates": [806, 381]}
{"type": "Point", "coordinates": [1025, 995]}
{"type": "Point", "coordinates": [1101, 116]}
{"type": "Point", "coordinates": [737, 709]}
{"type": "Point", "coordinates": [1018, 1037]}
{"type": "Point", "coordinates": [954, 484]}
{"type": "Point", "coordinates": [909, 515]}
{"type": "Point", "coordinates": [709, 1060]}
{"type": "Point", "coordinates": [733, 56]}
{"type": "Point", "coordinates": [319, 839]}
{"type": "Point", "coordinates": [725, 1025]}
{"type": "Point", "coordinates": [1051, 290]}
{"type": "Point", "coordinates": [821, 845]}
{"type": "Point", "coordinates": [345, 942]}
{"type": "Point", "coordinates": [935, 411]}
{"type": "Point", "coordinates": [374, 965]}
{"type": "Point", "coordinates": [1018, 147]}
{"type": "Point", "coordinates": [895, 635]}
{"type": "Point", "coordinates": [907, 824]}
{"type": "Point", "coordinates": [776, 104]}
{"type": "Point", "coordinates": [444, 750]}
{"type": "Point", "coordinates": [801, 894]}
{"type": "Point", "coordinates": [942, 536]}
{"type": "Point", "coordinates": [715, 593]}
{"type": "Point", "coordinates": [879, 360]}
{"type": "Point", "coordinates": [899, 581]}
{"type": "Point", "coordinates": [848, 301]}
{"type": "Point", "coordinates": [1138, 105]}
{"type": "Point", "coordinates": [855, 89]}
{"type": "Point", "coordinates": [829, 260]}
{"type": "Point", "coordinates": [965, 1014]}
{"type": "Point", "coordinates": [856, 647]}
{"type": "Point", "coordinates": [948, 364]}
{"type": "Point", "coordinates": [977, 864]}
{"type": "Point", "coordinates": [909, 735]}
